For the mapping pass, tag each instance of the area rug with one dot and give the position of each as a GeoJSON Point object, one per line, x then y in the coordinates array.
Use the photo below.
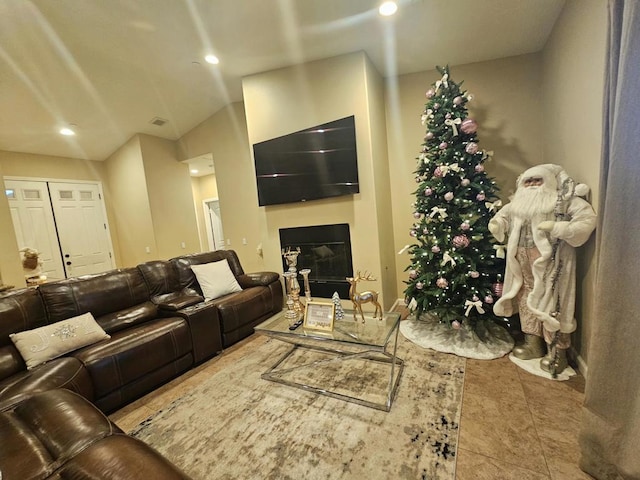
{"type": "Point", "coordinates": [235, 425]}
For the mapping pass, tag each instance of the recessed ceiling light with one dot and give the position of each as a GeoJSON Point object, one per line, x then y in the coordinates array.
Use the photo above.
{"type": "Point", "coordinates": [212, 59]}
{"type": "Point", "coordinates": [388, 8]}
{"type": "Point", "coordinates": [194, 171]}
{"type": "Point", "coordinates": [67, 131]}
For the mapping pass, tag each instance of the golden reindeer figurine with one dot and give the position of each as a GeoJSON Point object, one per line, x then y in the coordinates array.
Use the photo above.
{"type": "Point", "coordinates": [370, 296]}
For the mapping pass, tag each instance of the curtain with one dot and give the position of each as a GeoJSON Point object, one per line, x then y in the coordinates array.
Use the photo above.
{"type": "Point", "coordinates": [610, 429]}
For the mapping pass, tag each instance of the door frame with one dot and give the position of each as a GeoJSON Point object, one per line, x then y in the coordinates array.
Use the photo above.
{"type": "Point", "coordinates": [207, 223]}
{"type": "Point", "coordinates": [98, 183]}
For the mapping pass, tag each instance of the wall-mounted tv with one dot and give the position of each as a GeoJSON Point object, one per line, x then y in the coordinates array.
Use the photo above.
{"type": "Point", "coordinates": [317, 162]}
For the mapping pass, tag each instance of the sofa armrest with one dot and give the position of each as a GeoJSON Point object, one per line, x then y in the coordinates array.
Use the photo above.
{"type": "Point", "coordinates": [204, 325]}
{"type": "Point", "coordinates": [257, 279]}
{"type": "Point", "coordinates": [175, 301]}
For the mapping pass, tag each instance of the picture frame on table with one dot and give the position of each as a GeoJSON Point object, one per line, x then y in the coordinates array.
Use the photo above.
{"type": "Point", "coordinates": [319, 316]}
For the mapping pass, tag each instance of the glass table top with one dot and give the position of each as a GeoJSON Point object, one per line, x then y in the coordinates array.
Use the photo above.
{"type": "Point", "coordinates": [374, 332]}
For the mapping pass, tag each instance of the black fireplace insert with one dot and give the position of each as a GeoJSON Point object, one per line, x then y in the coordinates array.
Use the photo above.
{"type": "Point", "coordinates": [326, 250]}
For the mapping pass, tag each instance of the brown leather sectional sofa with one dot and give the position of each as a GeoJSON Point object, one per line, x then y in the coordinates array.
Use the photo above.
{"type": "Point", "coordinates": [159, 327]}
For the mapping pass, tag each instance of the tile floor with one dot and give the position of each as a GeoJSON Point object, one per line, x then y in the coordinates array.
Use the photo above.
{"type": "Point", "coordinates": [514, 425]}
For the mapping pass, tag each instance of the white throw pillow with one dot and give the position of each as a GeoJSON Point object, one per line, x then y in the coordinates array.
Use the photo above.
{"type": "Point", "coordinates": [216, 279]}
{"type": "Point", "coordinates": [42, 344]}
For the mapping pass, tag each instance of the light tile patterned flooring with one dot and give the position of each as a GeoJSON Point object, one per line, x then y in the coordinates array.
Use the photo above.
{"type": "Point", "coordinates": [514, 425]}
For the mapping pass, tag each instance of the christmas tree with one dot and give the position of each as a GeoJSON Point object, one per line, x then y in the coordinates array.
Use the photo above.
{"type": "Point", "coordinates": [454, 263]}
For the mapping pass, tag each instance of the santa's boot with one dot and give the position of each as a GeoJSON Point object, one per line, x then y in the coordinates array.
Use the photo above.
{"type": "Point", "coordinates": [533, 347]}
{"type": "Point", "coordinates": [557, 360]}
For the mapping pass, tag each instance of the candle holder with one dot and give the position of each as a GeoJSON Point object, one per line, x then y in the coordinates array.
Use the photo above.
{"type": "Point", "coordinates": [291, 257]}
{"type": "Point", "coordinates": [307, 290]}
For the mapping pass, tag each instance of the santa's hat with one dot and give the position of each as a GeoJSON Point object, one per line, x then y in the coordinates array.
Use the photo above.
{"type": "Point", "coordinates": [557, 178]}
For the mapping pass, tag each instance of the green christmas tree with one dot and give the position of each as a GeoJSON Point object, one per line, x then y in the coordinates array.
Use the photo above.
{"type": "Point", "coordinates": [454, 263]}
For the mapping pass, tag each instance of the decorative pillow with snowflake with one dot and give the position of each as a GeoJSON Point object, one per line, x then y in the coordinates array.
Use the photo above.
{"type": "Point", "coordinates": [42, 344]}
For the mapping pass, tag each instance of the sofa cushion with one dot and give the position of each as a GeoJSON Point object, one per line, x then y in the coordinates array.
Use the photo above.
{"type": "Point", "coordinates": [101, 294]}
{"type": "Point", "coordinates": [65, 372]}
{"type": "Point", "coordinates": [42, 344]}
{"type": "Point", "coordinates": [120, 457]}
{"type": "Point", "coordinates": [216, 279]}
{"type": "Point", "coordinates": [135, 352]}
{"type": "Point", "coordinates": [243, 307]}
{"type": "Point", "coordinates": [46, 430]}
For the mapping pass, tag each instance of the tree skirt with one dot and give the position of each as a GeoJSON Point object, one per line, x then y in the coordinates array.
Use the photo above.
{"type": "Point", "coordinates": [533, 366]}
{"type": "Point", "coordinates": [487, 342]}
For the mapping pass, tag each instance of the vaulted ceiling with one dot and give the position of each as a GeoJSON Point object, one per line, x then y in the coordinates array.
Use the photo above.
{"type": "Point", "coordinates": [110, 67]}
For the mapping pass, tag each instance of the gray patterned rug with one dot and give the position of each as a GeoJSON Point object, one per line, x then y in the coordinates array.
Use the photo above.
{"type": "Point", "coordinates": [237, 426]}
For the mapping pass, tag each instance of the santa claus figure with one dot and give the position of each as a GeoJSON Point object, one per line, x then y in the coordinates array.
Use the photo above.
{"type": "Point", "coordinates": [544, 222]}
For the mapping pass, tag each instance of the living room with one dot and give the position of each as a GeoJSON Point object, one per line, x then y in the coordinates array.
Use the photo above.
{"type": "Point", "coordinates": [525, 105]}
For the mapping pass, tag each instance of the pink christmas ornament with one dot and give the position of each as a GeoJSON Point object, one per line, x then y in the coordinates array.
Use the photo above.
{"type": "Point", "coordinates": [479, 168]}
{"type": "Point", "coordinates": [471, 148]}
{"type": "Point", "coordinates": [447, 116]}
{"type": "Point", "coordinates": [480, 197]}
{"type": "Point", "coordinates": [417, 214]}
{"type": "Point", "coordinates": [448, 196]}
{"type": "Point", "coordinates": [442, 283]}
{"type": "Point", "coordinates": [428, 136]}
{"type": "Point", "coordinates": [418, 179]}
{"type": "Point", "coordinates": [436, 106]}
{"type": "Point", "coordinates": [488, 299]}
{"type": "Point", "coordinates": [465, 182]}
{"type": "Point", "coordinates": [419, 285]}
{"type": "Point", "coordinates": [460, 241]}
{"type": "Point", "coordinates": [437, 172]}
{"type": "Point", "coordinates": [469, 126]}
{"type": "Point", "coordinates": [428, 191]}
{"type": "Point", "coordinates": [475, 298]}
{"type": "Point", "coordinates": [435, 249]}
{"type": "Point", "coordinates": [474, 274]}
{"type": "Point", "coordinates": [496, 288]}
{"type": "Point", "coordinates": [457, 100]}
{"type": "Point", "coordinates": [425, 231]}
{"type": "Point", "coordinates": [413, 233]}
{"type": "Point", "coordinates": [465, 225]}
{"type": "Point", "coordinates": [413, 274]}
{"type": "Point", "coordinates": [456, 324]}
{"type": "Point", "coordinates": [443, 145]}
{"type": "Point", "coordinates": [430, 93]}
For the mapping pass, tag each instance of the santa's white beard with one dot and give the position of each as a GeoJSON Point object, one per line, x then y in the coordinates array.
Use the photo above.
{"type": "Point", "coordinates": [529, 202]}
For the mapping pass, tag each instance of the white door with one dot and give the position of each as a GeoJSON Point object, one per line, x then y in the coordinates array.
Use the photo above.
{"type": "Point", "coordinates": [33, 223]}
{"type": "Point", "coordinates": [82, 228]}
{"type": "Point", "coordinates": [213, 222]}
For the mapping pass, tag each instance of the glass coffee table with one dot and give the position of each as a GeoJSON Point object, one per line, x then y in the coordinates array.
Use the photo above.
{"type": "Point", "coordinates": [355, 362]}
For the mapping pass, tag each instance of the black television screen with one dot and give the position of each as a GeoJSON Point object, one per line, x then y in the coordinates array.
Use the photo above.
{"type": "Point", "coordinates": [317, 162]}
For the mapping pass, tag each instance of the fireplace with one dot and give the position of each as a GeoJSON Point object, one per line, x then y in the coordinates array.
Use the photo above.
{"type": "Point", "coordinates": [326, 250]}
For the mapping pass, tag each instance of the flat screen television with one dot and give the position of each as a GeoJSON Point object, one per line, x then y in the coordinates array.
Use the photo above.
{"type": "Point", "coordinates": [317, 162]}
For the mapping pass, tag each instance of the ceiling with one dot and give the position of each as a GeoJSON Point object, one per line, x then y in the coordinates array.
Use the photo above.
{"type": "Point", "coordinates": [109, 67]}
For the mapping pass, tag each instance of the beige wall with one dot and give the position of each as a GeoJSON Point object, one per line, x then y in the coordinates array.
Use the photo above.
{"type": "Point", "coordinates": [291, 99]}
{"type": "Point", "coordinates": [507, 105]}
{"type": "Point", "coordinates": [128, 190]}
{"type": "Point", "coordinates": [224, 134]}
{"type": "Point", "coordinates": [573, 84]}
{"type": "Point", "coordinates": [24, 165]}
{"type": "Point", "coordinates": [170, 198]}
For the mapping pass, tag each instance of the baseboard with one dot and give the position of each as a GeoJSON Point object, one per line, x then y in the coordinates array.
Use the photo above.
{"type": "Point", "coordinates": [582, 365]}
{"type": "Point", "coordinates": [399, 303]}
